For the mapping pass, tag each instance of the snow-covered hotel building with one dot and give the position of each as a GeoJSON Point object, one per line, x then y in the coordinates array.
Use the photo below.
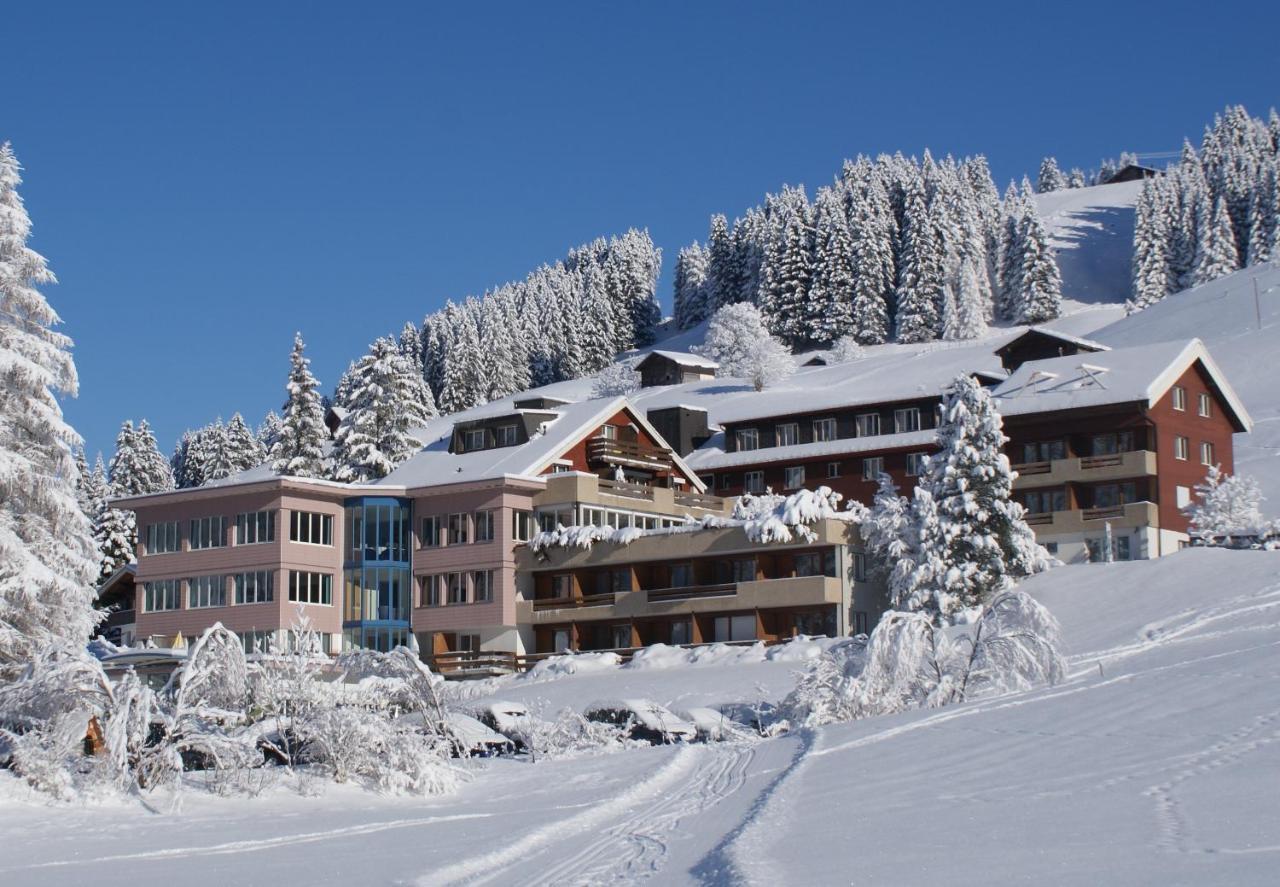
{"type": "Point", "coordinates": [437, 549]}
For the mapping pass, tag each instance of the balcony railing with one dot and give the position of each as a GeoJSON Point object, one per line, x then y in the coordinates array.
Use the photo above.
{"type": "Point", "coordinates": [563, 603]}
{"type": "Point", "coordinates": [700, 500]}
{"type": "Point", "coordinates": [691, 592]}
{"type": "Point", "coordinates": [1029, 468]}
{"type": "Point", "coordinates": [1086, 469]}
{"type": "Point", "coordinates": [1107, 512]}
{"type": "Point", "coordinates": [624, 452]}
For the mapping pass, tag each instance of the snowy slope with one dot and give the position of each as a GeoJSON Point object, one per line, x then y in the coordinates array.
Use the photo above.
{"type": "Point", "coordinates": [1155, 762]}
{"type": "Point", "coordinates": [1243, 335]}
{"type": "Point", "coordinates": [1092, 231]}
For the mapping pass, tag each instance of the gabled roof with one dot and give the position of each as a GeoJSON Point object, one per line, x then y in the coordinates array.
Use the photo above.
{"type": "Point", "coordinates": [1043, 332]}
{"type": "Point", "coordinates": [683, 358]}
{"type": "Point", "coordinates": [1140, 374]}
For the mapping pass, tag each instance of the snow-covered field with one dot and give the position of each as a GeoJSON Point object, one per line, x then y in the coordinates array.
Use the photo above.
{"type": "Point", "coordinates": [1156, 761]}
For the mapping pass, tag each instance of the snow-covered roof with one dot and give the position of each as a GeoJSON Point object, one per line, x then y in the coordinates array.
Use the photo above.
{"type": "Point", "coordinates": [1086, 344]}
{"type": "Point", "coordinates": [683, 358]}
{"type": "Point", "coordinates": [1142, 373]}
{"type": "Point", "coordinates": [434, 464]}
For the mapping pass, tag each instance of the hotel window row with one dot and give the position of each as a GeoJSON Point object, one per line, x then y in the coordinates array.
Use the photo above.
{"type": "Point", "coordinates": [252, 528]}
{"type": "Point", "coordinates": [787, 434]}
{"type": "Point", "coordinates": [451, 588]}
{"type": "Point", "coordinates": [204, 592]}
{"type": "Point", "coordinates": [457, 529]}
{"type": "Point", "coordinates": [1204, 403]}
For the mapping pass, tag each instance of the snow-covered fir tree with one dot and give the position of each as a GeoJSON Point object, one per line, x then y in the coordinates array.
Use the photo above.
{"type": "Point", "coordinates": [787, 270]}
{"type": "Point", "coordinates": [298, 450]}
{"type": "Point", "coordinates": [1225, 504]}
{"type": "Point", "coordinates": [969, 536]}
{"type": "Point", "coordinates": [1217, 254]}
{"type": "Point", "coordinates": [1051, 178]}
{"type": "Point", "coordinates": [920, 273]}
{"type": "Point", "coordinates": [268, 431]}
{"type": "Point", "coordinates": [384, 408]}
{"type": "Point", "coordinates": [725, 276]}
{"type": "Point", "coordinates": [47, 555]}
{"type": "Point", "coordinates": [1039, 295]}
{"type": "Point", "coordinates": [739, 341]}
{"type": "Point", "coordinates": [692, 296]}
{"type": "Point", "coordinates": [827, 313]}
{"type": "Point", "coordinates": [245, 450]}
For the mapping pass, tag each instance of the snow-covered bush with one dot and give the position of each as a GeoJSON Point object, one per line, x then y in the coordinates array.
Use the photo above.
{"type": "Point", "coordinates": [398, 757]}
{"type": "Point", "coordinates": [847, 349]}
{"type": "Point", "coordinates": [909, 662]}
{"type": "Point", "coordinates": [1226, 504]}
{"type": "Point", "coordinates": [616, 379]}
{"type": "Point", "coordinates": [738, 339]}
{"type": "Point", "coordinates": [570, 735]}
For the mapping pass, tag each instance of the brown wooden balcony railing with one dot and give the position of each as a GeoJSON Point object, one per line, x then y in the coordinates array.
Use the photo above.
{"type": "Point", "coordinates": [1106, 513]}
{"type": "Point", "coordinates": [1028, 468]}
{"type": "Point", "coordinates": [1109, 461]}
{"type": "Point", "coordinates": [611, 451]}
{"type": "Point", "coordinates": [586, 600]}
{"type": "Point", "coordinates": [690, 592]}
{"type": "Point", "coordinates": [700, 500]}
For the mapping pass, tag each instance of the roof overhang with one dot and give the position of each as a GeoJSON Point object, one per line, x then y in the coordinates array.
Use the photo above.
{"type": "Point", "coordinates": [1196, 352]}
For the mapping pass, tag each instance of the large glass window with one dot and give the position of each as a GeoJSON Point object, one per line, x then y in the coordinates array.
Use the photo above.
{"type": "Point", "coordinates": [1046, 501]}
{"type": "Point", "coordinates": [378, 531]}
{"type": "Point", "coordinates": [744, 570]}
{"type": "Point", "coordinates": [255, 527]}
{"type": "Point", "coordinates": [473, 439]}
{"type": "Point", "coordinates": [310, 588]}
{"type": "Point", "coordinates": [311, 528]}
{"type": "Point", "coordinates": [906, 420]}
{"type": "Point", "coordinates": [162, 594]}
{"type": "Point", "coordinates": [208, 532]}
{"type": "Point", "coordinates": [793, 477]}
{"type": "Point", "coordinates": [163, 538]}
{"type": "Point", "coordinates": [1112, 443]}
{"type": "Point", "coordinates": [1112, 495]}
{"type": "Point", "coordinates": [753, 481]}
{"type": "Point", "coordinates": [917, 463]}
{"type": "Point", "coordinates": [377, 594]}
{"type": "Point", "coordinates": [383, 639]}
{"type": "Point", "coordinates": [1044, 451]}
{"type": "Point", "coordinates": [206, 591]}
{"type": "Point", "coordinates": [734, 628]}
{"type": "Point", "coordinates": [507, 435]}
{"type": "Point", "coordinates": [430, 591]}
{"type": "Point", "coordinates": [255, 587]}
{"type": "Point", "coordinates": [681, 575]}
{"type": "Point", "coordinates": [522, 526]}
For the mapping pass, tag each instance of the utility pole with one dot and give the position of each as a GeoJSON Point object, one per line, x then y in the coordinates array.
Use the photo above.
{"type": "Point", "coordinates": [1257, 303]}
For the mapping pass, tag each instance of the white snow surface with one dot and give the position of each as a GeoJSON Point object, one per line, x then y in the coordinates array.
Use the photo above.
{"type": "Point", "coordinates": [1091, 230]}
{"type": "Point", "coordinates": [1155, 761]}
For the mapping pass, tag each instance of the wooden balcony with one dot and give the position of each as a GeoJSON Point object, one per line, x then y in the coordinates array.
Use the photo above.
{"type": "Point", "coordinates": [1085, 469]}
{"type": "Point", "coordinates": [570, 603]}
{"type": "Point", "coordinates": [1082, 520]}
{"type": "Point", "coordinates": [610, 451]}
{"type": "Point", "coordinates": [691, 592]}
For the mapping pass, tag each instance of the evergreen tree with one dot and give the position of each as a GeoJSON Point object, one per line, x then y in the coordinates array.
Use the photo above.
{"type": "Point", "coordinates": [298, 450]}
{"type": "Point", "coordinates": [971, 537]}
{"type": "Point", "coordinates": [245, 451]}
{"type": "Point", "coordinates": [1076, 178]}
{"type": "Point", "coordinates": [378, 433]}
{"type": "Point", "coordinates": [47, 557]}
{"type": "Point", "coordinates": [787, 270]}
{"type": "Point", "coordinates": [464, 383]}
{"type": "Point", "coordinates": [968, 319]}
{"type": "Point", "coordinates": [269, 430]}
{"type": "Point", "coordinates": [919, 291]}
{"type": "Point", "coordinates": [632, 270]}
{"type": "Point", "coordinates": [828, 310]}
{"type": "Point", "coordinates": [692, 286]}
{"type": "Point", "coordinates": [216, 458]}
{"type": "Point", "coordinates": [1152, 274]}
{"type": "Point", "coordinates": [1040, 294]}
{"type": "Point", "coordinates": [1218, 250]}
{"type": "Point", "coordinates": [724, 273]}
{"type": "Point", "coordinates": [1051, 178]}
{"type": "Point", "coordinates": [869, 307]}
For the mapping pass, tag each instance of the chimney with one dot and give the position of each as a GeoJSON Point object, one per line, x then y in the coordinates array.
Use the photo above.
{"type": "Point", "coordinates": [685, 428]}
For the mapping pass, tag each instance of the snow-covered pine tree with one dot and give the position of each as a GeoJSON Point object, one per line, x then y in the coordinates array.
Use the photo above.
{"type": "Point", "coordinates": [506, 361]}
{"type": "Point", "coordinates": [869, 307]}
{"type": "Point", "coordinates": [1264, 216]}
{"type": "Point", "coordinates": [919, 290]}
{"type": "Point", "coordinates": [972, 536]}
{"type": "Point", "coordinates": [724, 274]}
{"type": "Point", "coordinates": [377, 434]}
{"type": "Point", "coordinates": [268, 430]}
{"type": "Point", "coordinates": [47, 555]}
{"type": "Point", "coordinates": [1076, 178]}
{"type": "Point", "coordinates": [1040, 283]}
{"type": "Point", "coordinates": [1152, 273]}
{"type": "Point", "coordinates": [616, 379]}
{"type": "Point", "coordinates": [1217, 254]}
{"type": "Point", "coordinates": [968, 313]}
{"type": "Point", "coordinates": [692, 287]}
{"type": "Point", "coordinates": [886, 531]}
{"type": "Point", "coordinates": [298, 450]}
{"type": "Point", "coordinates": [738, 340]}
{"type": "Point", "coordinates": [435, 346]}
{"type": "Point", "coordinates": [217, 462]}
{"type": "Point", "coordinates": [464, 384]}
{"type": "Point", "coordinates": [245, 450]}
{"type": "Point", "coordinates": [1225, 504]}
{"type": "Point", "coordinates": [411, 344]}
{"type": "Point", "coordinates": [631, 271]}
{"type": "Point", "coordinates": [828, 309]}
{"type": "Point", "coordinates": [1051, 178]}
{"type": "Point", "coordinates": [787, 272]}
{"type": "Point", "coordinates": [1009, 282]}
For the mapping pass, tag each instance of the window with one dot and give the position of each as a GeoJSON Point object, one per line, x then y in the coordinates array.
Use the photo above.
{"type": "Point", "coordinates": [311, 528]}
{"type": "Point", "coordinates": [1206, 453]}
{"type": "Point", "coordinates": [550, 518]}
{"type": "Point", "coordinates": [859, 567]}
{"type": "Point", "coordinates": [753, 481]}
{"type": "Point", "coordinates": [484, 526]}
{"type": "Point", "coordinates": [1120, 549]}
{"type": "Point", "coordinates": [609, 432]}
{"type": "Point", "coordinates": [833, 469]}
{"type": "Point", "coordinates": [1179, 395]}
{"type": "Point", "coordinates": [310, 588]}
{"type": "Point", "coordinates": [1115, 442]}
{"type": "Point", "coordinates": [1181, 448]}
{"type": "Point", "coordinates": [1205, 406]}
{"type": "Point", "coordinates": [163, 538]}
{"type": "Point", "coordinates": [725, 480]}
{"type": "Point", "coordinates": [824, 429]}
{"type": "Point", "coordinates": [872, 467]}
{"type": "Point", "coordinates": [788, 435]}
{"type": "Point", "coordinates": [744, 570]}
{"type": "Point", "coordinates": [1045, 501]}
{"type": "Point", "coordinates": [457, 583]}
{"type": "Point", "coordinates": [482, 586]}
{"type": "Point", "coordinates": [809, 563]}
{"type": "Point", "coordinates": [1183, 495]}
{"type": "Point", "coordinates": [206, 591]}
{"type": "Point", "coordinates": [734, 628]}
{"type": "Point", "coordinates": [472, 439]}
{"type": "Point", "coordinates": [747, 439]}
{"type": "Point", "coordinates": [208, 532]}
{"type": "Point", "coordinates": [1113, 495]}
{"type": "Point", "coordinates": [917, 463]}
{"type": "Point", "coordinates": [430, 595]}
{"type": "Point", "coordinates": [906, 420]}
{"type": "Point", "coordinates": [562, 585]}
{"type": "Point", "coordinates": [430, 537]}
{"type": "Point", "coordinates": [860, 622]}
{"type": "Point", "coordinates": [162, 594]}
{"type": "Point", "coordinates": [1044, 451]}
{"type": "Point", "coordinates": [681, 575]}
{"type": "Point", "coordinates": [257, 641]}
{"type": "Point", "coordinates": [508, 435]}
{"type": "Point", "coordinates": [255, 527]}
{"type": "Point", "coordinates": [457, 529]}
{"type": "Point", "coordinates": [793, 477]}
{"type": "Point", "coordinates": [256, 587]}
{"type": "Point", "coordinates": [522, 526]}
{"type": "Point", "coordinates": [868, 424]}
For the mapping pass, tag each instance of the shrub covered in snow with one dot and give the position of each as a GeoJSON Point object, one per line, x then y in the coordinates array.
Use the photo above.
{"type": "Point", "coordinates": [739, 341]}
{"type": "Point", "coordinates": [616, 379]}
{"type": "Point", "coordinates": [909, 662]}
{"type": "Point", "coordinates": [1226, 505]}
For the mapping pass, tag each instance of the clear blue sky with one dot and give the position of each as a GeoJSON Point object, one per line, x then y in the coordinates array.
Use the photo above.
{"type": "Point", "coordinates": [207, 179]}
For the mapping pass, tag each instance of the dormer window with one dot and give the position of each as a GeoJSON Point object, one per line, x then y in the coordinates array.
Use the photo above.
{"type": "Point", "coordinates": [507, 435]}
{"type": "Point", "coordinates": [747, 439]}
{"type": "Point", "coordinates": [473, 439]}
